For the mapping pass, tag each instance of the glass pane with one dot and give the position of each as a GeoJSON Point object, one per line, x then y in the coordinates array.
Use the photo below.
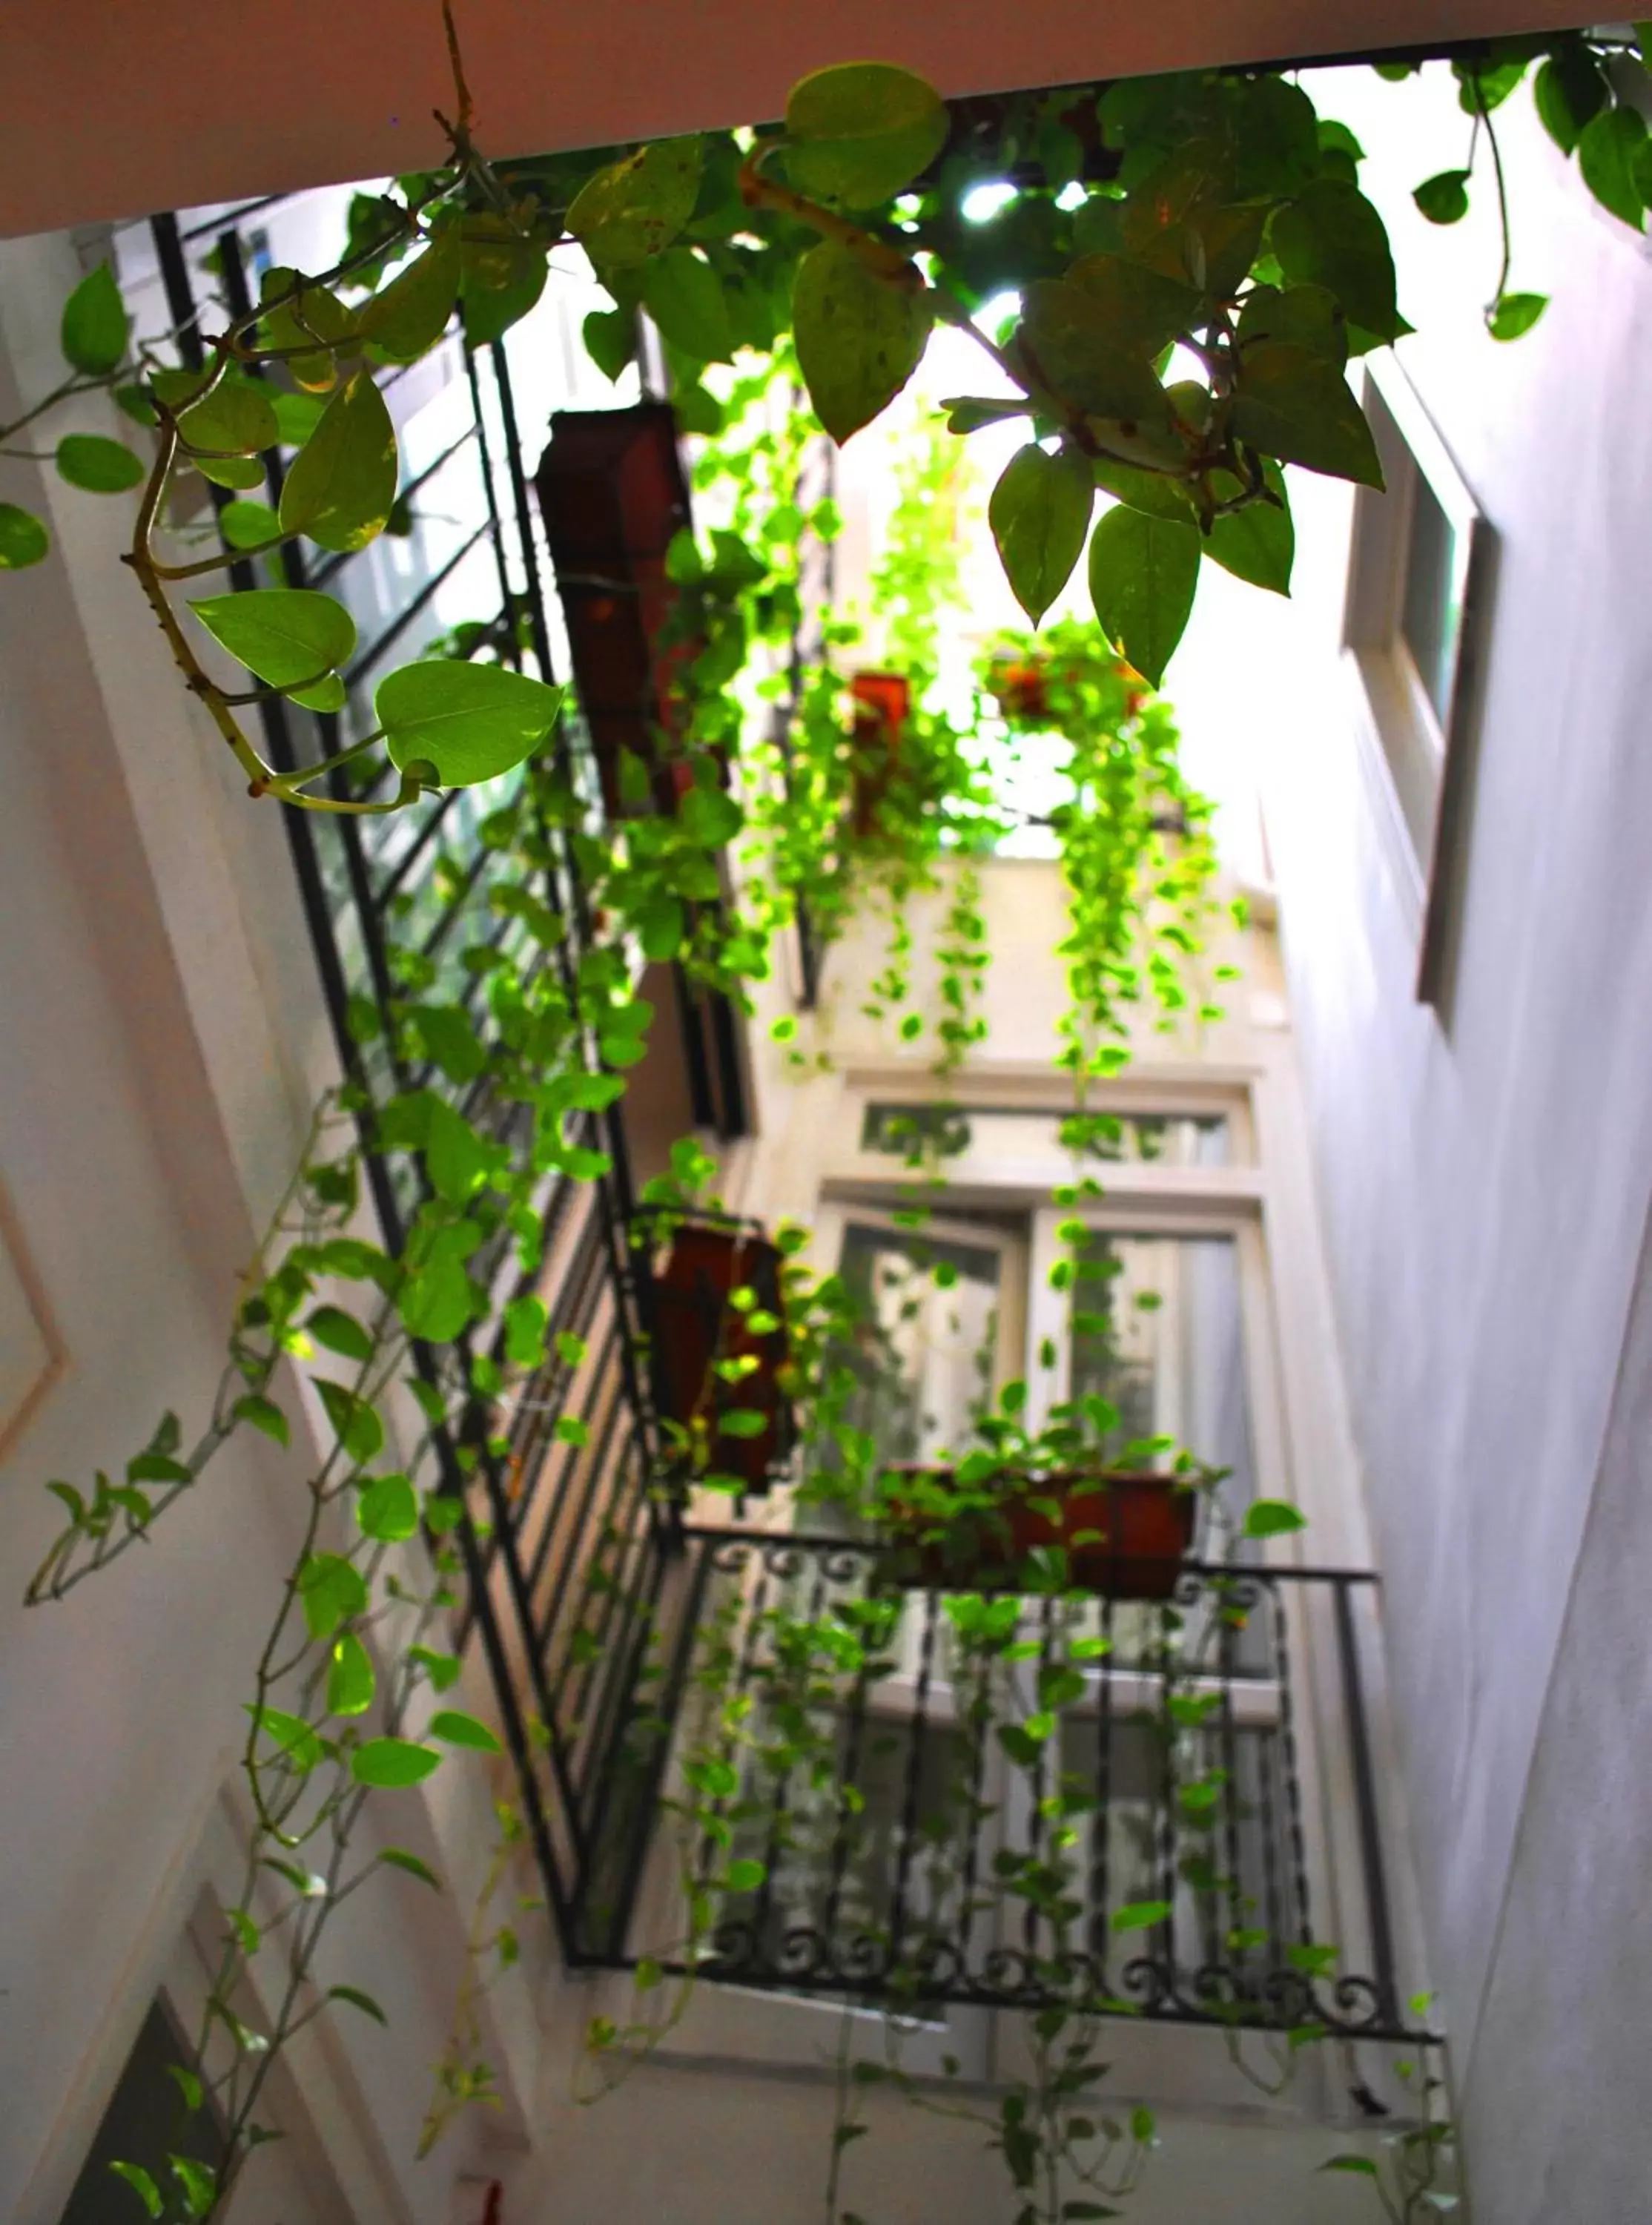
{"type": "Point", "coordinates": [1156, 1332]}
{"type": "Point", "coordinates": [1432, 615]}
{"type": "Point", "coordinates": [927, 1353]}
{"type": "Point", "coordinates": [142, 2125]}
{"type": "Point", "coordinates": [916, 1132]}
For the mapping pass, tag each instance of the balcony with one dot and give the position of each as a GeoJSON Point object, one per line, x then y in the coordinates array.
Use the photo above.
{"type": "Point", "coordinates": [849, 1755]}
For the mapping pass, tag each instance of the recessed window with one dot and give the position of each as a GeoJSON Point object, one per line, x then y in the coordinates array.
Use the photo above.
{"type": "Point", "coordinates": [1416, 580]}
{"type": "Point", "coordinates": [145, 2124]}
{"type": "Point", "coordinates": [919, 1132]}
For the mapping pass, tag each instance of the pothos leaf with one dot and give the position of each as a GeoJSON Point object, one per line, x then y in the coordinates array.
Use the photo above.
{"type": "Point", "coordinates": [287, 636]}
{"type": "Point", "coordinates": [469, 722]}
{"type": "Point", "coordinates": [858, 132]}
{"type": "Point", "coordinates": [341, 487]}
{"type": "Point", "coordinates": [1142, 573]}
{"type": "Point", "coordinates": [1040, 514]}
{"type": "Point", "coordinates": [96, 466]}
{"type": "Point", "coordinates": [24, 539]}
{"type": "Point", "coordinates": [1257, 543]}
{"type": "Point", "coordinates": [859, 338]}
{"type": "Point", "coordinates": [409, 316]}
{"type": "Point", "coordinates": [637, 206]}
{"type": "Point", "coordinates": [95, 325]}
{"type": "Point", "coordinates": [393, 1762]}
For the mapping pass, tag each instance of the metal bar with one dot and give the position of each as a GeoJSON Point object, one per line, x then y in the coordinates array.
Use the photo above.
{"type": "Point", "coordinates": [733, 1119]}
{"type": "Point", "coordinates": [701, 1103]}
{"type": "Point", "coordinates": [1101, 1826]}
{"type": "Point", "coordinates": [917, 1729]}
{"type": "Point", "coordinates": [671, 1703]}
{"type": "Point", "coordinates": [1371, 1837]}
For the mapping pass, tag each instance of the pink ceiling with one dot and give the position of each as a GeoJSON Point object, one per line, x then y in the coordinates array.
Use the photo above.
{"type": "Point", "coordinates": [119, 107]}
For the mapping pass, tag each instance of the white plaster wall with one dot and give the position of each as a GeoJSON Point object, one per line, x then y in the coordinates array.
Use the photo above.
{"type": "Point", "coordinates": [1484, 1173]}
{"type": "Point", "coordinates": [694, 2145]}
{"type": "Point", "coordinates": [160, 1038]}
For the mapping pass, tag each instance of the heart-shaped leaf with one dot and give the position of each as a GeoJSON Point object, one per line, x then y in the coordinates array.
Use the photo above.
{"type": "Point", "coordinates": [388, 1763]}
{"type": "Point", "coordinates": [287, 636]}
{"type": "Point", "coordinates": [387, 1510]}
{"type": "Point", "coordinates": [1511, 314]}
{"type": "Point", "coordinates": [471, 722]}
{"type": "Point", "coordinates": [1299, 408]}
{"type": "Point", "coordinates": [1444, 199]}
{"type": "Point", "coordinates": [24, 539]}
{"type": "Point", "coordinates": [98, 466]}
{"type": "Point", "coordinates": [455, 1729]}
{"type": "Point", "coordinates": [312, 315]}
{"type": "Point", "coordinates": [859, 338]}
{"type": "Point", "coordinates": [351, 1681]}
{"type": "Point", "coordinates": [331, 1590]}
{"type": "Point", "coordinates": [1259, 542]}
{"type": "Point", "coordinates": [1068, 335]}
{"type": "Point", "coordinates": [248, 525]}
{"type": "Point", "coordinates": [684, 295]}
{"type": "Point", "coordinates": [236, 418]}
{"type": "Point", "coordinates": [95, 325]}
{"type": "Point", "coordinates": [409, 316]}
{"type": "Point", "coordinates": [342, 484]}
{"type": "Point", "coordinates": [1040, 514]}
{"type": "Point", "coordinates": [636, 206]}
{"type": "Point", "coordinates": [1142, 573]}
{"type": "Point", "coordinates": [1329, 235]}
{"type": "Point", "coordinates": [858, 132]}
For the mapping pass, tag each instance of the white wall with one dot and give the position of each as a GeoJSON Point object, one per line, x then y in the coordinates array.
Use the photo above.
{"type": "Point", "coordinates": [693, 2145]}
{"type": "Point", "coordinates": [1485, 1173]}
{"type": "Point", "coordinates": [163, 1041]}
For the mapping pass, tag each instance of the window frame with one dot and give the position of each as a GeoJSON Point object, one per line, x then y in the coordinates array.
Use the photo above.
{"type": "Point", "coordinates": [1405, 746]}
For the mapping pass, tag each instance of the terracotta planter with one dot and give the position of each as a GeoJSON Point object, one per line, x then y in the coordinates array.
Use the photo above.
{"type": "Point", "coordinates": [1126, 1533]}
{"type": "Point", "coordinates": [1020, 689]}
{"type": "Point", "coordinates": [613, 495]}
{"type": "Point", "coordinates": [691, 1325]}
{"type": "Point", "coordinates": [883, 705]}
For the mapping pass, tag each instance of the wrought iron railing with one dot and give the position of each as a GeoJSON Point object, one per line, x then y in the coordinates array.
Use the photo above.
{"type": "Point", "coordinates": [1199, 1888]}
{"type": "Point", "coordinates": [567, 1544]}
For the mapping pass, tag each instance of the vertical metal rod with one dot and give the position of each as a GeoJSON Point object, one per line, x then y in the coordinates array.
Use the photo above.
{"type": "Point", "coordinates": [918, 1727]}
{"type": "Point", "coordinates": [1101, 1828]}
{"type": "Point", "coordinates": [1371, 1837]}
{"type": "Point", "coordinates": [1168, 1622]}
{"type": "Point", "coordinates": [779, 1836]}
{"type": "Point", "coordinates": [848, 1774]}
{"type": "Point", "coordinates": [1231, 1799]}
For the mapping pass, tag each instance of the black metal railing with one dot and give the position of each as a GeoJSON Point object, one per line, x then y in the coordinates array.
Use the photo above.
{"type": "Point", "coordinates": [567, 1544]}
{"type": "Point", "coordinates": [1197, 1888]}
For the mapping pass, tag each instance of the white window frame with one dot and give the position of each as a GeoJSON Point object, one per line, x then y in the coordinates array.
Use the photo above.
{"type": "Point", "coordinates": [1415, 763]}
{"type": "Point", "coordinates": [974, 1178]}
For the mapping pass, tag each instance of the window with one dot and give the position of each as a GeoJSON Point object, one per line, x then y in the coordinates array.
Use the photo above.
{"type": "Point", "coordinates": [1416, 580]}
{"type": "Point", "coordinates": [916, 1133]}
{"type": "Point", "coordinates": [144, 2123]}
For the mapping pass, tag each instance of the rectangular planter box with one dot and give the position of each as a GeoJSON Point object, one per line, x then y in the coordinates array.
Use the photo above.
{"type": "Point", "coordinates": [1126, 1534]}
{"type": "Point", "coordinates": [692, 1324]}
{"type": "Point", "coordinates": [882, 705]}
{"type": "Point", "coordinates": [613, 496]}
